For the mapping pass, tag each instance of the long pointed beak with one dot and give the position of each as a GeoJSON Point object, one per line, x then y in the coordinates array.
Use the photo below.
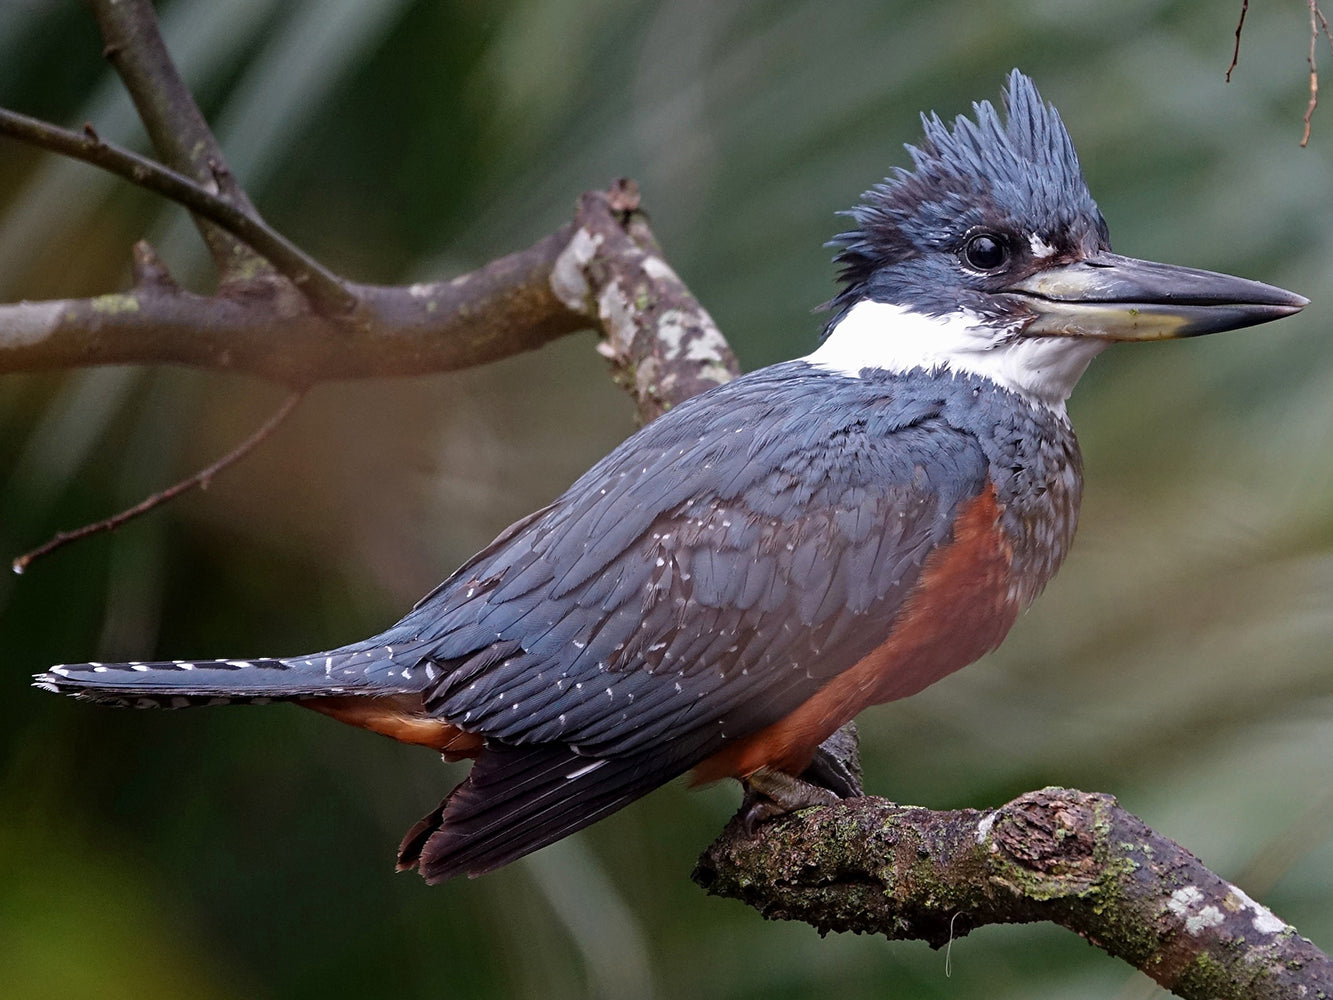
{"type": "Point", "coordinates": [1111, 297]}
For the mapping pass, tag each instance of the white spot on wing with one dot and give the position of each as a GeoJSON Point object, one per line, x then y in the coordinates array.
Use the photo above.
{"type": "Point", "coordinates": [586, 769]}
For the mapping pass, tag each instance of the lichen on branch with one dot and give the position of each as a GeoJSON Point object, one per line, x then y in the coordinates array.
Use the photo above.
{"type": "Point", "coordinates": [1073, 858]}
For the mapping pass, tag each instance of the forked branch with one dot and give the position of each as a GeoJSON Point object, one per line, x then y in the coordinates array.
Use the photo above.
{"type": "Point", "coordinates": [135, 49]}
{"type": "Point", "coordinates": [325, 289]}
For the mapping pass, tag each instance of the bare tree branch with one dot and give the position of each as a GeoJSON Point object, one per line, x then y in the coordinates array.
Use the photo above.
{"type": "Point", "coordinates": [590, 273]}
{"type": "Point", "coordinates": [175, 125]}
{"type": "Point", "coordinates": [326, 290]}
{"type": "Point", "coordinates": [1073, 858]}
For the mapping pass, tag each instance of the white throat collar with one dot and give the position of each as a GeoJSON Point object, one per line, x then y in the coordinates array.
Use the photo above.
{"type": "Point", "coordinates": [880, 335]}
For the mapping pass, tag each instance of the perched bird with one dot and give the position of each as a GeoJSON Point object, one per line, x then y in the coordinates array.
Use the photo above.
{"type": "Point", "coordinates": [741, 577]}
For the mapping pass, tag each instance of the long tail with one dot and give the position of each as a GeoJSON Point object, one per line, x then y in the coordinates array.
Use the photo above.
{"type": "Point", "coordinates": [515, 800]}
{"type": "Point", "coordinates": [362, 669]}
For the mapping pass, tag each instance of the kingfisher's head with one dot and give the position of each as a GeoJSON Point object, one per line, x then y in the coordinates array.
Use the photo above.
{"type": "Point", "coordinates": [990, 256]}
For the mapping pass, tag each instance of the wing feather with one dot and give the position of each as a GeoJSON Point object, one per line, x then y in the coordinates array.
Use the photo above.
{"type": "Point", "coordinates": [698, 584]}
{"type": "Point", "coordinates": [726, 565]}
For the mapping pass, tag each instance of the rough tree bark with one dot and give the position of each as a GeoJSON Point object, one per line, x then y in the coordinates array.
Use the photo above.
{"type": "Point", "coordinates": [864, 865]}
{"type": "Point", "coordinates": [1073, 858]}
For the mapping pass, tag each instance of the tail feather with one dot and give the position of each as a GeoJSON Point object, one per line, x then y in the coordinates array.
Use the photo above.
{"type": "Point", "coordinates": [183, 683]}
{"type": "Point", "coordinates": [516, 798]}
{"type": "Point", "coordinates": [519, 799]}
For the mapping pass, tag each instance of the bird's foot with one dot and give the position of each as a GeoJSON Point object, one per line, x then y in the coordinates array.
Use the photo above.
{"type": "Point", "coordinates": [836, 764]}
{"type": "Point", "coordinates": [770, 793]}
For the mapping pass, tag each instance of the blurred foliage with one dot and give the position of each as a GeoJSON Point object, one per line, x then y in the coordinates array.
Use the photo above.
{"type": "Point", "coordinates": [1181, 660]}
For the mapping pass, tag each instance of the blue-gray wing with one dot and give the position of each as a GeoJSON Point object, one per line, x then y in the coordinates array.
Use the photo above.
{"type": "Point", "coordinates": [708, 576]}
{"type": "Point", "coordinates": [698, 584]}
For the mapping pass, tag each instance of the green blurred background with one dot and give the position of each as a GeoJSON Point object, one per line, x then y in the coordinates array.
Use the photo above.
{"type": "Point", "coordinates": [1181, 660]}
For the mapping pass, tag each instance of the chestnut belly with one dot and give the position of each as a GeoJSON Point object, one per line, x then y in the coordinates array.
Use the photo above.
{"type": "Point", "coordinates": [962, 607]}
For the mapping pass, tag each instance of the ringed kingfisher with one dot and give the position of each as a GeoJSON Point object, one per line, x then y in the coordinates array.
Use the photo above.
{"type": "Point", "coordinates": [742, 576]}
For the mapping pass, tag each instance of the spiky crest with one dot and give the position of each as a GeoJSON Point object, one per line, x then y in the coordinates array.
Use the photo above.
{"type": "Point", "coordinates": [1021, 168]}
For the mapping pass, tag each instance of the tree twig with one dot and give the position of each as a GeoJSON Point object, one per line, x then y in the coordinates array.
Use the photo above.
{"type": "Point", "coordinates": [175, 125]}
{"type": "Point", "coordinates": [1318, 25]}
{"type": "Point", "coordinates": [1235, 53]}
{"type": "Point", "coordinates": [1073, 858]}
{"type": "Point", "coordinates": [200, 480]}
{"type": "Point", "coordinates": [329, 292]}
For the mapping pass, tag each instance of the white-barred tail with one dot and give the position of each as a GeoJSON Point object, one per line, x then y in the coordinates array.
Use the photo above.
{"type": "Point", "coordinates": [187, 683]}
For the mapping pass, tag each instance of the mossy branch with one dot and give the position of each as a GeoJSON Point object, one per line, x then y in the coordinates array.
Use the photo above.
{"type": "Point", "coordinates": [1072, 858]}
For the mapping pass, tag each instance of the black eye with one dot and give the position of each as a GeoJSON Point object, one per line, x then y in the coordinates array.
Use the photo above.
{"type": "Point", "coordinates": [985, 252]}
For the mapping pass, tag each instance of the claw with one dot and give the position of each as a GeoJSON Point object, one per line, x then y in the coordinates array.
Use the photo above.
{"type": "Point", "coordinates": [771, 793]}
